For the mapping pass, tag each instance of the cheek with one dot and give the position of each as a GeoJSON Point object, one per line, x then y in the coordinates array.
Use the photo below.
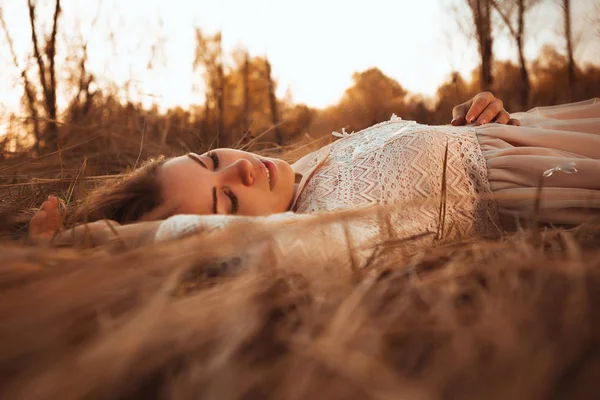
{"type": "Point", "coordinates": [258, 201]}
{"type": "Point", "coordinates": [192, 202]}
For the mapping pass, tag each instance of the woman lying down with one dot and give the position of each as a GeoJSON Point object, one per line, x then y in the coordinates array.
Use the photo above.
{"type": "Point", "coordinates": [478, 176]}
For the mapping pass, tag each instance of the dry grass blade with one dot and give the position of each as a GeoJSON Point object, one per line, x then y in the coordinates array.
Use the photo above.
{"type": "Point", "coordinates": [249, 145]}
{"type": "Point", "coordinates": [353, 265]}
{"type": "Point", "coordinates": [71, 189]}
{"type": "Point", "coordinates": [137, 160]}
{"type": "Point", "coordinates": [443, 197]}
{"type": "Point", "coordinates": [246, 133]}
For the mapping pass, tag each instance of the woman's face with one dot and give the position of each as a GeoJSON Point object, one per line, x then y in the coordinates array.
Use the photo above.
{"type": "Point", "coordinates": [226, 181]}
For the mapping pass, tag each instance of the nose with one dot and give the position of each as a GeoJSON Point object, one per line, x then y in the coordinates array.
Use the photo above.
{"type": "Point", "coordinates": [240, 171]}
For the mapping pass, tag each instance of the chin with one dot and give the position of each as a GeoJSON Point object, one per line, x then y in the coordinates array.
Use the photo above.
{"type": "Point", "coordinates": [287, 173]}
{"type": "Point", "coordinates": [284, 191]}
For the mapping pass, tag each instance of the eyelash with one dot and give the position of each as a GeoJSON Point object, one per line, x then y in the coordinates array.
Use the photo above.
{"type": "Point", "coordinates": [234, 201]}
{"type": "Point", "coordinates": [215, 159]}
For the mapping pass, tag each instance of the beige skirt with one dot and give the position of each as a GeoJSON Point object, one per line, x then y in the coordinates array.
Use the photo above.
{"type": "Point", "coordinates": [557, 148]}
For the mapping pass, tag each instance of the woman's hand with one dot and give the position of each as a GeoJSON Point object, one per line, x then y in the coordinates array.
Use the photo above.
{"type": "Point", "coordinates": [481, 109]}
{"type": "Point", "coordinates": [46, 228]}
{"type": "Point", "coordinates": [47, 222]}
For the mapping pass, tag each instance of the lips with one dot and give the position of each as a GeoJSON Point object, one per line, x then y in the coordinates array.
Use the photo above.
{"type": "Point", "coordinates": [271, 174]}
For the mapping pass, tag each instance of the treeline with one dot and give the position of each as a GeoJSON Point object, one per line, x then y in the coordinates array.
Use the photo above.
{"type": "Point", "coordinates": [241, 108]}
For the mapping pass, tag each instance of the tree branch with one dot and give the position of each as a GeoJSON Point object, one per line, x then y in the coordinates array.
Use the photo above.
{"type": "Point", "coordinates": [36, 49]}
{"type": "Point", "coordinates": [505, 18]}
{"type": "Point", "coordinates": [51, 50]}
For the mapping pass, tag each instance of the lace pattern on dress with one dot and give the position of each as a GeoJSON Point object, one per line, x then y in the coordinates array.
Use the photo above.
{"type": "Point", "coordinates": [402, 161]}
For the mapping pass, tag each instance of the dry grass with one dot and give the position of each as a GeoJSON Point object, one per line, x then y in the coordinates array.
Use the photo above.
{"type": "Point", "coordinates": [502, 319]}
{"type": "Point", "coordinates": [512, 318]}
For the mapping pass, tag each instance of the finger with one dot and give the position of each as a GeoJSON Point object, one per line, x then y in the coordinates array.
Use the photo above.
{"type": "Point", "coordinates": [480, 102]}
{"type": "Point", "coordinates": [53, 200]}
{"type": "Point", "coordinates": [459, 113]}
{"type": "Point", "coordinates": [514, 121]}
{"type": "Point", "coordinates": [55, 219]}
{"type": "Point", "coordinates": [458, 121]}
{"type": "Point", "coordinates": [39, 216]}
{"type": "Point", "coordinates": [502, 118]}
{"type": "Point", "coordinates": [491, 111]}
{"type": "Point", "coordinates": [47, 205]}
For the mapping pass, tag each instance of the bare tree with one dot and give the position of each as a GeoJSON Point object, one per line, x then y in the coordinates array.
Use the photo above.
{"type": "Point", "coordinates": [46, 68]}
{"type": "Point", "coordinates": [273, 104]}
{"type": "Point", "coordinates": [566, 6]}
{"type": "Point", "coordinates": [513, 14]}
{"type": "Point", "coordinates": [482, 19]}
{"type": "Point", "coordinates": [209, 55]}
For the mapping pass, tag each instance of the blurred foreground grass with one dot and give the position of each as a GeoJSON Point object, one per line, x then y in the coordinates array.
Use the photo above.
{"type": "Point", "coordinates": [517, 317]}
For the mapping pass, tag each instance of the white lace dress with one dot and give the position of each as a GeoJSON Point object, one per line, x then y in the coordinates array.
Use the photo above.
{"type": "Point", "coordinates": [403, 180]}
{"type": "Point", "coordinates": [436, 177]}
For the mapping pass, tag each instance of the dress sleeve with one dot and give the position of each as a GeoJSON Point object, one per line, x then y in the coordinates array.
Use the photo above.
{"type": "Point", "coordinates": [333, 241]}
{"type": "Point", "coordinates": [311, 240]}
{"type": "Point", "coordinates": [184, 225]}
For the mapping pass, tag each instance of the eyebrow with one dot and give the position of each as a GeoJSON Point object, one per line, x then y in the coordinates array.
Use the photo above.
{"type": "Point", "coordinates": [214, 190]}
{"type": "Point", "coordinates": [197, 159]}
{"type": "Point", "coordinates": [214, 200]}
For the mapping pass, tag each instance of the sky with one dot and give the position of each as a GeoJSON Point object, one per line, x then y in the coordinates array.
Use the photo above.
{"type": "Point", "coordinates": [314, 45]}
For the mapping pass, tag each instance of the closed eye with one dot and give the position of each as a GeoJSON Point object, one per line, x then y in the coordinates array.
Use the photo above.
{"type": "Point", "coordinates": [232, 197]}
{"type": "Point", "coordinates": [214, 189]}
{"type": "Point", "coordinates": [234, 201]}
{"type": "Point", "coordinates": [215, 159]}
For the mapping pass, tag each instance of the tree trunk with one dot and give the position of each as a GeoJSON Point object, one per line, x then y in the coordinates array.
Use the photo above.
{"type": "Point", "coordinates": [221, 139]}
{"type": "Point", "coordinates": [206, 123]}
{"type": "Point", "coordinates": [525, 83]}
{"type": "Point", "coordinates": [570, 58]}
{"type": "Point", "coordinates": [486, 65]}
{"type": "Point", "coordinates": [52, 132]}
{"type": "Point", "coordinates": [47, 73]}
{"type": "Point", "coordinates": [246, 110]}
{"type": "Point", "coordinates": [33, 113]}
{"type": "Point", "coordinates": [273, 104]}
{"type": "Point", "coordinates": [219, 94]}
{"type": "Point", "coordinates": [482, 12]}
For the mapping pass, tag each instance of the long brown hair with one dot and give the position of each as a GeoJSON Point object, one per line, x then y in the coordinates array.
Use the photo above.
{"type": "Point", "coordinates": [126, 199]}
